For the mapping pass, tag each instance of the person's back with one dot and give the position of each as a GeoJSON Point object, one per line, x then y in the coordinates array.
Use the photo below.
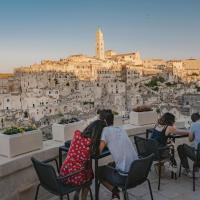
{"type": "Point", "coordinates": [120, 146]}
{"type": "Point", "coordinates": [159, 135]}
{"type": "Point", "coordinates": [123, 153]}
{"type": "Point", "coordinates": [78, 157]}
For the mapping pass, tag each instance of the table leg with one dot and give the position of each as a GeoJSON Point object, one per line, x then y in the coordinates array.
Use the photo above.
{"type": "Point", "coordinates": [96, 180]}
{"type": "Point", "coordinates": [60, 158]}
{"type": "Point", "coordinates": [147, 134]}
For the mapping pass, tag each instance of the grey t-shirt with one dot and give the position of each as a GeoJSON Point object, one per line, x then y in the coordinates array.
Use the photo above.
{"type": "Point", "coordinates": [195, 130]}
{"type": "Point", "coordinates": [120, 147]}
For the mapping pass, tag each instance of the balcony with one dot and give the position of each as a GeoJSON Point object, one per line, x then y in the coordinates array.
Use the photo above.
{"type": "Point", "coordinates": [18, 179]}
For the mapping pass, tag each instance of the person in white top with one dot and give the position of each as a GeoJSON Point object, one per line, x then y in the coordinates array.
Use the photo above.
{"type": "Point", "coordinates": [123, 154]}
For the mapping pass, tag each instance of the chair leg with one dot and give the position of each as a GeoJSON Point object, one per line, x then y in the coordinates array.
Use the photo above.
{"type": "Point", "coordinates": [91, 196]}
{"type": "Point", "coordinates": [68, 197]}
{"type": "Point", "coordinates": [193, 177]}
{"type": "Point", "coordinates": [180, 170]}
{"type": "Point", "coordinates": [159, 174]}
{"type": "Point", "coordinates": [98, 188]}
{"type": "Point", "coordinates": [61, 197]}
{"type": "Point", "coordinates": [125, 193]}
{"type": "Point", "coordinates": [150, 190]}
{"type": "Point", "coordinates": [37, 191]}
{"type": "Point", "coordinates": [77, 194]}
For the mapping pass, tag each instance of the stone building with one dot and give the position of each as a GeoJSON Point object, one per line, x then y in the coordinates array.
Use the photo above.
{"type": "Point", "coordinates": [187, 70]}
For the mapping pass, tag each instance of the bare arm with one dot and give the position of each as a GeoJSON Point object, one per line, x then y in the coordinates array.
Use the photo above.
{"type": "Point", "coordinates": [182, 132]}
{"type": "Point", "coordinates": [102, 146]}
{"type": "Point", "coordinates": [191, 137]}
{"type": "Point", "coordinates": [174, 130]}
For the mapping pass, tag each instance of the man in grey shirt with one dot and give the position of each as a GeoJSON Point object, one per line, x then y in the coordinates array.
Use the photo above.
{"type": "Point", "coordinates": [123, 154]}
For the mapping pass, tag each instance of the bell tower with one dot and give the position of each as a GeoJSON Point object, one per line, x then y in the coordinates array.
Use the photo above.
{"type": "Point", "coordinates": [99, 44]}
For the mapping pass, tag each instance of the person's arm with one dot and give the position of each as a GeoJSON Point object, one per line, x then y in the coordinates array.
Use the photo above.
{"type": "Point", "coordinates": [103, 141]}
{"type": "Point", "coordinates": [191, 137]}
{"type": "Point", "coordinates": [182, 132]}
{"type": "Point", "coordinates": [170, 130]}
{"type": "Point", "coordinates": [192, 133]}
{"type": "Point", "coordinates": [102, 146]}
{"type": "Point", "coordinates": [173, 130]}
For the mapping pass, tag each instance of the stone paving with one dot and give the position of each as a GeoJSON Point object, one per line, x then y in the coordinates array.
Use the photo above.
{"type": "Point", "coordinates": [180, 189]}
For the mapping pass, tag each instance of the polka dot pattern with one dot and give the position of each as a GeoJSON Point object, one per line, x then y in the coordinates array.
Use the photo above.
{"type": "Point", "coordinates": [78, 157]}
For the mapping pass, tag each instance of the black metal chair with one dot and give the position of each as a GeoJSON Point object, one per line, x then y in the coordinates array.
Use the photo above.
{"type": "Point", "coordinates": [53, 183]}
{"type": "Point", "coordinates": [146, 147]}
{"type": "Point", "coordinates": [191, 151]}
{"type": "Point", "coordinates": [137, 175]}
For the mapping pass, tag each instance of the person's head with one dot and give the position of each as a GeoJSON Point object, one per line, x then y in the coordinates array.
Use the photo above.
{"type": "Point", "coordinates": [108, 117]}
{"type": "Point", "coordinates": [101, 114]}
{"type": "Point", "coordinates": [167, 119]}
{"type": "Point", "coordinates": [195, 117]}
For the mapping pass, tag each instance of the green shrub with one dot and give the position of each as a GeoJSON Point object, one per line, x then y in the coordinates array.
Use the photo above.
{"type": "Point", "coordinates": [15, 130]}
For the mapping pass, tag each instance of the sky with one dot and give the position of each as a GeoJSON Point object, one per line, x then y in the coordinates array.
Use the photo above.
{"type": "Point", "coordinates": [34, 30]}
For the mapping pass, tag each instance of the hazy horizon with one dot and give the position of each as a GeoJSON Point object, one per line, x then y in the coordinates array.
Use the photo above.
{"type": "Point", "coordinates": [33, 30]}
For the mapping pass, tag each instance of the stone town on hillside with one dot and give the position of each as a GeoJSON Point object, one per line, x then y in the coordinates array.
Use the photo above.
{"type": "Point", "coordinates": [79, 85]}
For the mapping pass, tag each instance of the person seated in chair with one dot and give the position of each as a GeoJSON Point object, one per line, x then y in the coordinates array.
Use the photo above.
{"type": "Point", "coordinates": [123, 154]}
{"type": "Point", "coordinates": [194, 136]}
{"type": "Point", "coordinates": [83, 146]}
{"type": "Point", "coordinates": [164, 127]}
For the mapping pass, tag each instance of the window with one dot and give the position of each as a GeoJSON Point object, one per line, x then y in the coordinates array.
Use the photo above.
{"type": "Point", "coordinates": [33, 105]}
{"type": "Point", "coordinates": [8, 100]}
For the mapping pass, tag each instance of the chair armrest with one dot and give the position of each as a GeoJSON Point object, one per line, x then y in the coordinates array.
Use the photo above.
{"type": "Point", "coordinates": [52, 160]}
{"type": "Point", "coordinates": [63, 178]}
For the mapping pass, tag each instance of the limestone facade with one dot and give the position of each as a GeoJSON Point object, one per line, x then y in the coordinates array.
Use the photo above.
{"type": "Point", "coordinates": [81, 84]}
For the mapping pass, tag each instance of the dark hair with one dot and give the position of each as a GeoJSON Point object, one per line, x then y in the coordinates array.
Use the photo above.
{"type": "Point", "coordinates": [167, 119]}
{"type": "Point", "coordinates": [98, 111]}
{"type": "Point", "coordinates": [109, 117]}
{"type": "Point", "coordinates": [101, 114]}
{"type": "Point", "coordinates": [195, 117]}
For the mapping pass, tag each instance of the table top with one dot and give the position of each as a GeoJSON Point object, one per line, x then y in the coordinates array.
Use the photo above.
{"type": "Point", "coordinates": [173, 136]}
{"type": "Point", "coordinates": [178, 136]}
{"type": "Point", "coordinates": [105, 152]}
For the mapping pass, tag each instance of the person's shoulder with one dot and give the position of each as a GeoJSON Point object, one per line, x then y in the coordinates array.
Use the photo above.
{"type": "Point", "coordinates": [108, 129]}
{"type": "Point", "coordinates": [98, 122]}
{"type": "Point", "coordinates": [195, 124]}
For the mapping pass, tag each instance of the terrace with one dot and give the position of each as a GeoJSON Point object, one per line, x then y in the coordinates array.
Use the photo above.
{"type": "Point", "coordinates": [18, 180]}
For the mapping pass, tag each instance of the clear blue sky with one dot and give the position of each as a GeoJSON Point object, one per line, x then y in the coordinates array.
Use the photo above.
{"type": "Point", "coordinates": [32, 30]}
